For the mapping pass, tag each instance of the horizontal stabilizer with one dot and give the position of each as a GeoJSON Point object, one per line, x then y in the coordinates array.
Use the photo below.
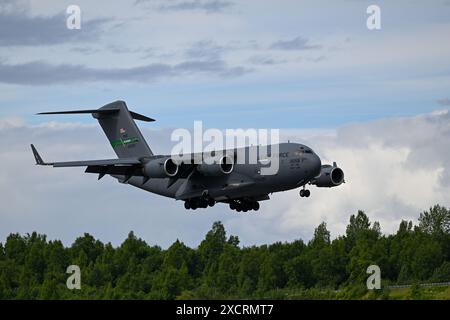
{"type": "Point", "coordinates": [141, 117]}
{"type": "Point", "coordinates": [102, 111]}
{"type": "Point", "coordinates": [99, 111]}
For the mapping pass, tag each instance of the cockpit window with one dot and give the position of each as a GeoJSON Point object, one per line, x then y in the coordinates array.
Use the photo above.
{"type": "Point", "coordinates": [302, 150]}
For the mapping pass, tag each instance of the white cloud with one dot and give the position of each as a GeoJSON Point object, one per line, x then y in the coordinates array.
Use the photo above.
{"type": "Point", "coordinates": [11, 122]}
{"type": "Point", "coordinates": [395, 168]}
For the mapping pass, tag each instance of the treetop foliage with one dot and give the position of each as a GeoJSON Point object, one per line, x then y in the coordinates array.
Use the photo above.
{"type": "Point", "coordinates": [31, 267]}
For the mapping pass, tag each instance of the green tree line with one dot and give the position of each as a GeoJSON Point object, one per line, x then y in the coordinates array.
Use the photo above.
{"type": "Point", "coordinates": [33, 268]}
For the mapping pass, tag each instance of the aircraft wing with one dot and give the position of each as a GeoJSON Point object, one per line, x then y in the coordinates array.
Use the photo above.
{"type": "Point", "coordinates": [85, 163]}
{"type": "Point", "coordinates": [125, 166]}
{"type": "Point", "coordinates": [106, 162]}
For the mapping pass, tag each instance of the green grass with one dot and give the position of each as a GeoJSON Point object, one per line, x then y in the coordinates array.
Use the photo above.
{"type": "Point", "coordinates": [423, 293]}
{"type": "Point", "coordinates": [360, 293]}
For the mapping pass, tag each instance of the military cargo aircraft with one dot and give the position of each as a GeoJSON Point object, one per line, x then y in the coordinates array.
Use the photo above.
{"type": "Point", "coordinates": [199, 185]}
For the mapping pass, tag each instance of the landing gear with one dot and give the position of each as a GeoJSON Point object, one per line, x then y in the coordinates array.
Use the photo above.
{"type": "Point", "coordinates": [192, 204]}
{"type": "Point", "coordinates": [244, 205]}
{"type": "Point", "coordinates": [203, 202]}
{"type": "Point", "coordinates": [305, 192]}
{"type": "Point", "coordinates": [240, 205]}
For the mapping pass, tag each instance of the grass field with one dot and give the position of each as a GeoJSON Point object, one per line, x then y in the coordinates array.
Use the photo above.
{"type": "Point", "coordinates": [423, 293]}
{"type": "Point", "coordinates": [414, 292]}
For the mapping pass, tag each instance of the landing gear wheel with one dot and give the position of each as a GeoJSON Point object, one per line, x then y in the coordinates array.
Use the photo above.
{"type": "Point", "coordinates": [244, 205]}
{"type": "Point", "coordinates": [305, 193]}
{"type": "Point", "coordinates": [187, 205]}
{"type": "Point", "coordinates": [211, 202]}
{"type": "Point", "coordinates": [203, 204]}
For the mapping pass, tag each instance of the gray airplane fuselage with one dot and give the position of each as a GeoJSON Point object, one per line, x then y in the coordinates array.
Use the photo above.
{"type": "Point", "coordinates": [193, 178]}
{"type": "Point", "coordinates": [298, 164]}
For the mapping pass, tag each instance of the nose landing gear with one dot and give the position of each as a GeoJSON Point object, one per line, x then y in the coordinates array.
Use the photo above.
{"type": "Point", "coordinates": [305, 192]}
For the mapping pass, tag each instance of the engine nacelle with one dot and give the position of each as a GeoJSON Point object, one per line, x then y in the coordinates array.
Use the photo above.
{"type": "Point", "coordinates": [330, 176]}
{"type": "Point", "coordinates": [160, 168]}
{"type": "Point", "coordinates": [224, 166]}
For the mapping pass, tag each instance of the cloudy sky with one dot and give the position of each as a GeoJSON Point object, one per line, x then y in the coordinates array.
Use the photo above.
{"type": "Point", "coordinates": [374, 101]}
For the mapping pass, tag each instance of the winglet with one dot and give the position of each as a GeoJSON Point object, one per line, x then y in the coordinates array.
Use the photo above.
{"type": "Point", "coordinates": [38, 158]}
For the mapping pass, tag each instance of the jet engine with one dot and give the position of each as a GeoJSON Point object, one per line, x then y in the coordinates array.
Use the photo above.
{"type": "Point", "coordinates": [224, 166]}
{"type": "Point", "coordinates": [161, 168]}
{"type": "Point", "coordinates": [330, 176]}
